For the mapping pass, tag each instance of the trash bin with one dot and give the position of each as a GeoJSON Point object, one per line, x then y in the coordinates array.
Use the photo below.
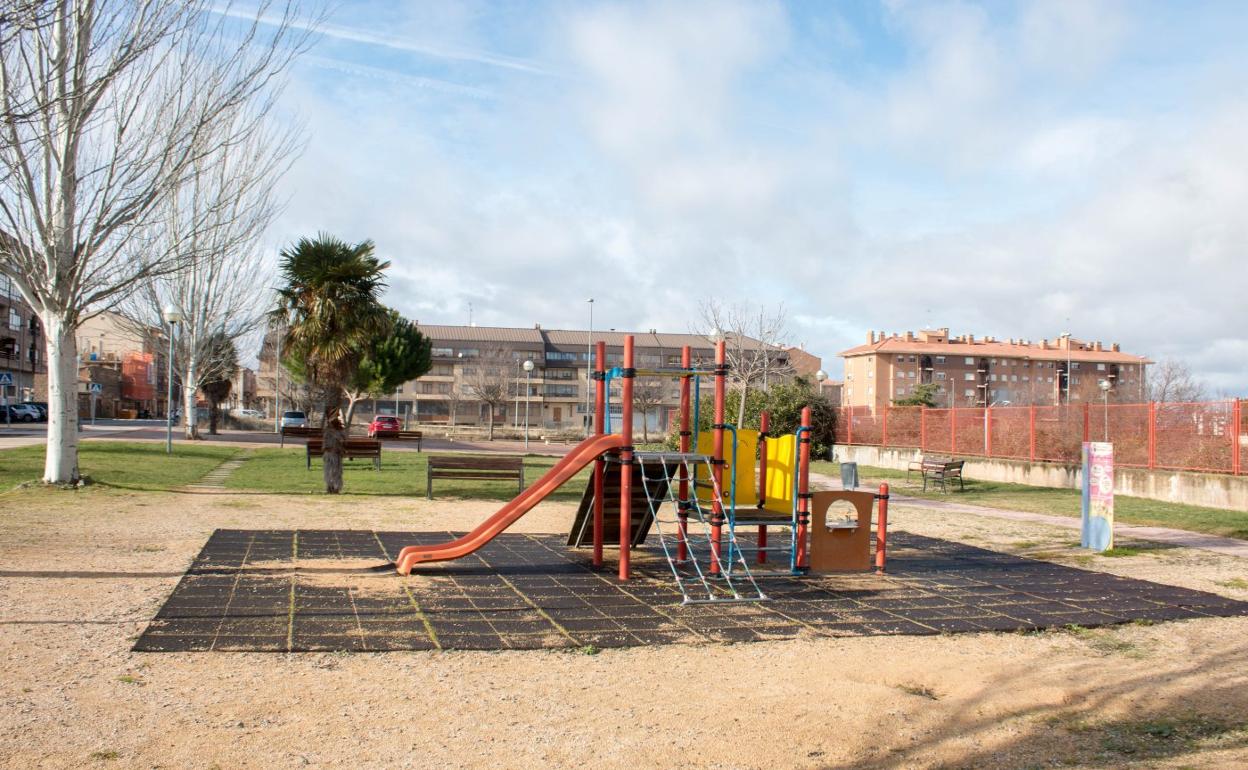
{"type": "Point", "coordinates": [849, 475]}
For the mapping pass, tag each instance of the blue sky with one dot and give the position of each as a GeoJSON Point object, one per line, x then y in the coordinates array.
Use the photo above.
{"type": "Point", "coordinates": [996, 168]}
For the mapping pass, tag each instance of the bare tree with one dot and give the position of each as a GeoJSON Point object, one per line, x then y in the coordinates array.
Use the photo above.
{"type": "Point", "coordinates": [491, 383]}
{"type": "Point", "coordinates": [132, 99]}
{"type": "Point", "coordinates": [1172, 380]}
{"type": "Point", "coordinates": [453, 396]}
{"type": "Point", "coordinates": [647, 396]}
{"type": "Point", "coordinates": [219, 217]}
{"type": "Point", "coordinates": [752, 338]}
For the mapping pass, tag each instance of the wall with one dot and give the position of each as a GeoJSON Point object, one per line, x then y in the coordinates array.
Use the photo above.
{"type": "Point", "coordinates": [1213, 490]}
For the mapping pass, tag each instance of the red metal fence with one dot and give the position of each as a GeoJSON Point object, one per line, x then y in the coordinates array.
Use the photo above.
{"type": "Point", "coordinates": [1207, 436]}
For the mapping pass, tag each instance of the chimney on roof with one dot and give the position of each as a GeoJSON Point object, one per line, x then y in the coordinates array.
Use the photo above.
{"type": "Point", "coordinates": [1114, 347]}
{"type": "Point", "coordinates": [1097, 346]}
{"type": "Point", "coordinates": [538, 327]}
{"type": "Point", "coordinates": [970, 338]}
{"type": "Point", "coordinates": [870, 338]}
{"type": "Point", "coordinates": [909, 336]}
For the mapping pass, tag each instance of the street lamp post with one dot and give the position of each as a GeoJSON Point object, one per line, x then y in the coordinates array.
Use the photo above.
{"type": "Point", "coordinates": [515, 415]}
{"type": "Point", "coordinates": [173, 316]}
{"type": "Point", "coordinates": [589, 359]}
{"type": "Point", "coordinates": [1104, 386]}
{"type": "Point", "coordinates": [1066, 336]}
{"type": "Point", "coordinates": [528, 371]}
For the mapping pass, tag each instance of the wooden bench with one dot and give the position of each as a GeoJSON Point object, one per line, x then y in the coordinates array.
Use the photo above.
{"type": "Point", "coordinates": [401, 435]}
{"type": "Point", "coordinates": [925, 461]}
{"type": "Point", "coordinates": [940, 472]}
{"type": "Point", "coordinates": [366, 448]}
{"type": "Point", "coordinates": [474, 468]}
{"type": "Point", "coordinates": [298, 431]}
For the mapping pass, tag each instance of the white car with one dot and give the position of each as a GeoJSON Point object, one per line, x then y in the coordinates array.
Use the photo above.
{"type": "Point", "coordinates": [294, 420]}
{"type": "Point", "coordinates": [254, 413]}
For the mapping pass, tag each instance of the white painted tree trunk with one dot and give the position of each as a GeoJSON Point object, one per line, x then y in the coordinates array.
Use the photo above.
{"type": "Point", "coordinates": [190, 385]}
{"type": "Point", "coordinates": [61, 462]}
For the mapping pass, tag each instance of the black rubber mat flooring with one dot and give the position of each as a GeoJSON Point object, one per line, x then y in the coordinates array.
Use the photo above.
{"type": "Point", "coordinates": [320, 590]}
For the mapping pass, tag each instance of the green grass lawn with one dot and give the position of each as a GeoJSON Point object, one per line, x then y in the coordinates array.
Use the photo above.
{"type": "Point", "coordinates": [124, 465]}
{"type": "Point", "coordinates": [402, 473]}
{"type": "Point", "coordinates": [1062, 502]}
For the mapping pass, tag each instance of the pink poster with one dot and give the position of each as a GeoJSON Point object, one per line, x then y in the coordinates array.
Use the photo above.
{"type": "Point", "coordinates": [1098, 495]}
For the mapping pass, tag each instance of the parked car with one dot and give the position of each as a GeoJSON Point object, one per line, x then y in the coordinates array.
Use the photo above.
{"type": "Point", "coordinates": [253, 413]}
{"type": "Point", "coordinates": [23, 413]}
{"type": "Point", "coordinates": [42, 407]}
{"type": "Point", "coordinates": [383, 422]}
{"type": "Point", "coordinates": [294, 419]}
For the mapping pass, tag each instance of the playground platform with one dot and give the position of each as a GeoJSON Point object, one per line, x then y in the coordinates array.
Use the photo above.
{"type": "Point", "coordinates": [333, 590]}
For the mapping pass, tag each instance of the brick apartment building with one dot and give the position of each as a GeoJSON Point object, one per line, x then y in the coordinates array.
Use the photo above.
{"type": "Point", "coordinates": [467, 357]}
{"type": "Point", "coordinates": [21, 346]}
{"type": "Point", "coordinates": [987, 371]}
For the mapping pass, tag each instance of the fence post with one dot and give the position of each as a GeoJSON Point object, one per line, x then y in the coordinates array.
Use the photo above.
{"type": "Point", "coordinates": [1152, 434]}
{"type": "Point", "coordinates": [849, 438]}
{"type": "Point", "coordinates": [1087, 421]}
{"type": "Point", "coordinates": [922, 428]}
{"type": "Point", "coordinates": [953, 430]}
{"type": "Point", "coordinates": [988, 431]}
{"type": "Point", "coordinates": [884, 430]}
{"type": "Point", "coordinates": [1031, 432]}
{"type": "Point", "coordinates": [1234, 431]}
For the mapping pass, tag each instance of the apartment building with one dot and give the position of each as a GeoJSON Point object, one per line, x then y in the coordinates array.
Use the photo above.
{"type": "Point", "coordinates": [557, 391]}
{"type": "Point", "coordinates": [21, 345]}
{"type": "Point", "coordinates": [987, 371]}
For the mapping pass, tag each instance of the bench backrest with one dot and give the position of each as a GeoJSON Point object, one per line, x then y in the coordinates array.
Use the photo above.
{"type": "Point", "coordinates": [935, 462]}
{"type": "Point", "coordinates": [475, 463]}
{"type": "Point", "coordinates": [955, 465]}
{"type": "Point", "coordinates": [299, 430]}
{"type": "Point", "coordinates": [317, 445]}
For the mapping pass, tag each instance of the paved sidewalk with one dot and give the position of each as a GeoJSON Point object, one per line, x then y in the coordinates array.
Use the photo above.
{"type": "Point", "coordinates": [1179, 537]}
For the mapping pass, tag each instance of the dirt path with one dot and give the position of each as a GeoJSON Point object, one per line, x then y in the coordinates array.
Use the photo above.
{"type": "Point", "coordinates": [81, 578]}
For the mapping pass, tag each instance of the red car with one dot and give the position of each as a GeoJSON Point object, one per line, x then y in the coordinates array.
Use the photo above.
{"type": "Point", "coordinates": [383, 423]}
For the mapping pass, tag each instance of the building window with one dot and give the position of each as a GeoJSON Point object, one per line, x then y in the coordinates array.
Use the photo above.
{"type": "Point", "coordinates": [15, 320]}
{"type": "Point", "coordinates": [969, 360]}
{"type": "Point", "coordinates": [469, 352]}
{"type": "Point", "coordinates": [968, 393]}
{"type": "Point", "coordinates": [554, 355]}
{"type": "Point", "coordinates": [940, 359]}
{"type": "Point", "coordinates": [940, 375]}
{"type": "Point", "coordinates": [910, 375]}
{"type": "Point", "coordinates": [870, 390]}
{"type": "Point", "coordinates": [442, 352]}
{"type": "Point", "coordinates": [1074, 365]}
{"type": "Point", "coordinates": [870, 373]}
{"type": "Point", "coordinates": [900, 374]}
{"type": "Point", "coordinates": [1100, 367]}
{"type": "Point", "coordinates": [969, 376]}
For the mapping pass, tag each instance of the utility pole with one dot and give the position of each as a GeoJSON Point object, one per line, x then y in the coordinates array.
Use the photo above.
{"type": "Point", "coordinates": [589, 358]}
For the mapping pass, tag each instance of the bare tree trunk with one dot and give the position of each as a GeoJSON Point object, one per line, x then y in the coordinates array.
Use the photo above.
{"type": "Point", "coordinates": [491, 408]}
{"type": "Point", "coordinates": [352, 400]}
{"type": "Point", "coordinates": [214, 411]}
{"type": "Point", "coordinates": [741, 405]}
{"type": "Point", "coordinates": [61, 461]}
{"type": "Point", "coordinates": [190, 386]}
{"type": "Point", "coordinates": [645, 426]}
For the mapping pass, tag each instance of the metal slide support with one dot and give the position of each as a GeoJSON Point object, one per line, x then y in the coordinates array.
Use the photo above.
{"type": "Point", "coordinates": [626, 460]}
{"type": "Point", "coordinates": [717, 452]}
{"type": "Point", "coordinates": [682, 544]}
{"type": "Point", "coordinates": [764, 424]}
{"type": "Point", "coordinates": [600, 407]}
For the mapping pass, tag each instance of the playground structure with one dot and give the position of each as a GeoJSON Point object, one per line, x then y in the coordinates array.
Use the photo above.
{"type": "Point", "coordinates": [697, 499]}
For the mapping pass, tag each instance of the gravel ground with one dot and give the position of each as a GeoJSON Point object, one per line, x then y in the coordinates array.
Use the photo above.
{"type": "Point", "coordinates": [82, 574]}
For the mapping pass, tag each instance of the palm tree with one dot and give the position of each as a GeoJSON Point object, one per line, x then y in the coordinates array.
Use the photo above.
{"type": "Point", "coordinates": [330, 309]}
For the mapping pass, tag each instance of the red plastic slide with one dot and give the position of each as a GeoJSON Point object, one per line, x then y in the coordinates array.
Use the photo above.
{"type": "Point", "coordinates": [581, 455]}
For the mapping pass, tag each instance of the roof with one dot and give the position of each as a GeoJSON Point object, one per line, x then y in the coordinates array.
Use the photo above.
{"type": "Point", "coordinates": [482, 334]}
{"type": "Point", "coordinates": [996, 349]}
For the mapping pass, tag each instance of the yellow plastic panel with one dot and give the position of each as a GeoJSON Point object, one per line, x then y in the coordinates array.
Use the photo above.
{"type": "Point", "coordinates": [781, 453]}
{"type": "Point", "coordinates": [745, 470]}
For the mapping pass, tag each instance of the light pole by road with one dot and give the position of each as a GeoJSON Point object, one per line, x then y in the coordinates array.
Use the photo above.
{"type": "Point", "coordinates": [1066, 336]}
{"type": "Point", "coordinates": [528, 371]}
{"type": "Point", "coordinates": [173, 317]}
{"type": "Point", "coordinates": [589, 363]}
{"type": "Point", "coordinates": [515, 415]}
{"type": "Point", "coordinates": [1104, 386]}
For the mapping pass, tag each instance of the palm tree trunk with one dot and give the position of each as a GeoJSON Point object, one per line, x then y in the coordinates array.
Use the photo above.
{"type": "Point", "coordinates": [333, 437]}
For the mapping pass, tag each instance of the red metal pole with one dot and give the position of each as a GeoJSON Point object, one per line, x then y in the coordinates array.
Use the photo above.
{"type": "Point", "coordinates": [764, 425]}
{"type": "Point", "coordinates": [717, 452]}
{"type": "Point", "coordinates": [626, 459]}
{"type": "Point", "coordinates": [849, 438]}
{"type": "Point", "coordinates": [686, 362]}
{"type": "Point", "coordinates": [1031, 431]}
{"type": "Point", "coordinates": [884, 428]}
{"type": "Point", "coordinates": [881, 531]}
{"type": "Point", "coordinates": [1234, 431]}
{"type": "Point", "coordinates": [1087, 421]}
{"type": "Point", "coordinates": [922, 428]}
{"type": "Point", "coordinates": [1152, 434]}
{"type": "Point", "coordinates": [600, 465]}
{"type": "Point", "coordinates": [803, 489]}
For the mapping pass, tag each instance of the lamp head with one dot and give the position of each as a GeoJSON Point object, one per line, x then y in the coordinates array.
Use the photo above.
{"type": "Point", "coordinates": [528, 366]}
{"type": "Point", "coordinates": [173, 313]}
{"type": "Point", "coordinates": [821, 375]}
